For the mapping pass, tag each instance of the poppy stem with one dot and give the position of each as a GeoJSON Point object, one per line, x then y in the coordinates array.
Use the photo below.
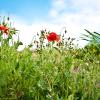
{"type": "Point", "coordinates": [51, 44]}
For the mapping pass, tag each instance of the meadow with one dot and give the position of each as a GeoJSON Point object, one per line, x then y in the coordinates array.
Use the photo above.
{"type": "Point", "coordinates": [49, 73]}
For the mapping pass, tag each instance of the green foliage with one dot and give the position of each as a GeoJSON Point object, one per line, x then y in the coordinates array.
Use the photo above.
{"type": "Point", "coordinates": [52, 75]}
{"type": "Point", "coordinates": [49, 74]}
{"type": "Point", "coordinates": [92, 37]}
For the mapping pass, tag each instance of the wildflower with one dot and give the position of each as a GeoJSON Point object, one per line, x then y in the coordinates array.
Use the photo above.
{"type": "Point", "coordinates": [53, 37]}
{"type": "Point", "coordinates": [4, 29]}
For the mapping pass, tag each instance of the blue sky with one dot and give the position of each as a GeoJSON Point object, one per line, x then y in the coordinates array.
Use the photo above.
{"type": "Point", "coordinates": [30, 16]}
{"type": "Point", "coordinates": [52, 11]}
{"type": "Point", "coordinates": [27, 9]}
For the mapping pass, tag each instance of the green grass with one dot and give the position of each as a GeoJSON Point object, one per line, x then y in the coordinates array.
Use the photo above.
{"type": "Point", "coordinates": [49, 74]}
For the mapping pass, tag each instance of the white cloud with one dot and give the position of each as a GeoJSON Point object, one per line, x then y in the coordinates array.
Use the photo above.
{"type": "Point", "coordinates": [87, 5]}
{"type": "Point", "coordinates": [53, 13]}
{"type": "Point", "coordinates": [57, 6]}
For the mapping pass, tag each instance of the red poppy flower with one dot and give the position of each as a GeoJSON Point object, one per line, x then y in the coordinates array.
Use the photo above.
{"type": "Point", "coordinates": [4, 29]}
{"type": "Point", "coordinates": [53, 37]}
